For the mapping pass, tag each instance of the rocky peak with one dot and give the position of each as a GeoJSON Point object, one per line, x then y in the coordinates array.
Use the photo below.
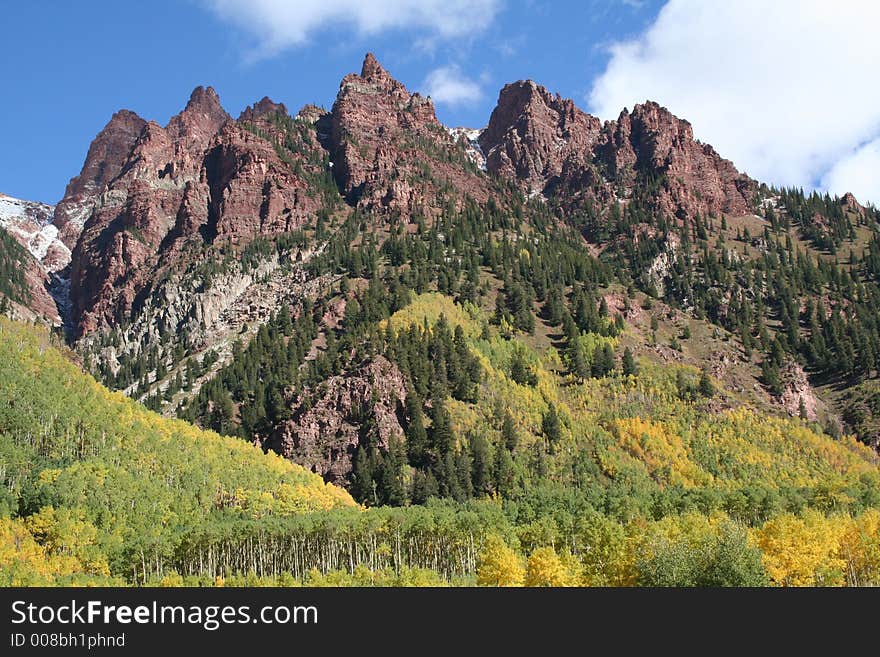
{"type": "Point", "coordinates": [312, 113]}
{"type": "Point", "coordinates": [374, 80]}
{"type": "Point", "coordinates": [204, 101]}
{"type": "Point", "coordinates": [658, 132]}
{"type": "Point", "coordinates": [107, 152]}
{"type": "Point", "coordinates": [697, 179]}
{"type": "Point", "coordinates": [524, 101]}
{"type": "Point", "coordinates": [849, 202]}
{"type": "Point", "coordinates": [371, 68]}
{"type": "Point", "coordinates": [658, 119]}
{"type": "Point", "coordinates": [531, 134]}
{"type": "Point", "coordinates": [262, 108]}
{"type": "Point", "coordinates": [105, 159]}
{"type": "Point", "coordinates": [547, 145]}
{"type": "Point", "coordinates": [381, 139]}
{"type": "Point", "coordinates": [202, 179]}
{"type": "Point", "coordinates": [200, 120]}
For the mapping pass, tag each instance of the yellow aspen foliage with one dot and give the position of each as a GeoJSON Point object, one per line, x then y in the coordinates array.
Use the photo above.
{"type": "Point", "coordinates": [661, 450]}
{"type": "Point", "coordinates": [24, 562]}
{"type": "Point", "coordinates": [171, 580]}
{"type": "Point", "coordinates": [499, 564]}
{"type": "Point", "coordinates": [860, 549]}
{"type": "Point", "coordinates": [546, 568]}
{"type": "Point", "coordinates": [428, 307]}
{"type": "Point", "coordinates": [803, 551]}
{"type": "Point", "coordinates": [573, 567]}
{"type": "Point", "coordinates": [66, 532]}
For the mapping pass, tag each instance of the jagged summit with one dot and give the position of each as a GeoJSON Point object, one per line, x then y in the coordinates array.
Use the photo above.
{"type": "Point", "coordinates": [200, 120]}
{"type": "Point", "coordinates": [202, 98]}
{"type": "Point", "coordinates": [144, 189]}
{"type": "Point", "coordinates": [605, 315]}
{"type": "Point", "coordinates": [261, 108]}
{"type": "Point", "coordinates": [551, 147]}
{"type": "Point", "coordinates": [383, 138]}
{"type": "Point", "coordinates": [205, 177]}
{"type": "Point", "coordinates": [371, 67]}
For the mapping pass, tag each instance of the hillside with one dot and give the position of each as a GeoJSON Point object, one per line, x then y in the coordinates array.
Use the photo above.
{"type": "Point", "coordinates": [107, 488]}
{"type": "Point", "coordinates": [633, 477]}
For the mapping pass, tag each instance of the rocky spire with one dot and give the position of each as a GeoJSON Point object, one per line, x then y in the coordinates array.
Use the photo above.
{"type": "Point", "coordinates": [532, 133]}
{"type": "Point", "coordinates": [200, 120]}
{"type": "Point", "coordinates": [372, 68]}
{"type": "Point", "coordinates": [107, 154]}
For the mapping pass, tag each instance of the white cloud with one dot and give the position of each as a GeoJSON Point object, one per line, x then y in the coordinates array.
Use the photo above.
{"type": "Point", "coordinates": [448, 85]}
{"type": "Point", "coordinates": [280, 24]}
{"type": "Point", "coordinates": [858, 173]}
{"type": "Point", "coordinates": [785, 89]}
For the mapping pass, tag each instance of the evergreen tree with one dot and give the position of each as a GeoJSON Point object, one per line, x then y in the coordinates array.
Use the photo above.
{"type": "Point", "coordinates": [551, 426]}
{"type": "Point", "coordinates": [442, 439]}
{"type": "Point", "coordinates": [416, 436]}
{"type": "Point", "coordinates": [362, 476]}
{"type": "Point", "coordinates": [705, 387]}
{"type": "Point", "coordinates": [481, 463]}
{"type": "Point", "coordinates": [392, 484]}
{"type": "Point", "coordinates": [504, 473]}
{"type": "Point", "coordinates": [628, 363]}
{"type": "Point", "coordinates": [520, 371]}
{"type": "Point", "coordinates": [509, 436]}
{"type": "Point", "coordinates": [603, 361]}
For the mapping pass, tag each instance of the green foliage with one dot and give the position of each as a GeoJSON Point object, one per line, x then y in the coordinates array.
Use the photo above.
{"type": "Point", "coordinates": [520, 463]}
{"type": "Point", "coordinates": [694, 551]}
{"type": "Point", "coordinates": [12, 267]}
{"type": "Point", "coordinates": [136, 481]}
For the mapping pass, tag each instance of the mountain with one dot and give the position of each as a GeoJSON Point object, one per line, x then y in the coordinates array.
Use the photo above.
{"type": "Point", "coordinates": [568, 316]}
{"type": "Point", "coordinates": [31, 255]}
{"type": "Point", "coordinates": [108, 493]}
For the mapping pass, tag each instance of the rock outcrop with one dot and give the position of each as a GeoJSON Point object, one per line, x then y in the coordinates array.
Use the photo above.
{"type": "Point", "coordinates": [849, 203]}
{"type": "Point", "coordinates": [105, 159]}
{"type": "Point", "coordinates": [532, 135]}
{"type": "Point", "coordinates": [29, 222]}
{"type": "Point", "coordinates": [200, 180]}
{"type": "Point", "coordinates": [797, 394]}
{"type": "Point", "coordinates": [696, 179]}
{"type": "Point", "coordinates": [324, 434]}
{"type": "Point", "coordinates": [262, 108]}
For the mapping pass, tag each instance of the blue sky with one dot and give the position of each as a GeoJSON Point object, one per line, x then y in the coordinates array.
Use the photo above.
{"type": "Point", "coordinates": [67, 66]}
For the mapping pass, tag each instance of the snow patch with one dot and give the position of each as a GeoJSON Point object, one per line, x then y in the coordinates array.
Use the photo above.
{"type": "Point", "coordinates": [472, 148]}
{"type": "Point", "coordinates": [31, 224]}
{"type": "Point", "coordinates": [40, 243]}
